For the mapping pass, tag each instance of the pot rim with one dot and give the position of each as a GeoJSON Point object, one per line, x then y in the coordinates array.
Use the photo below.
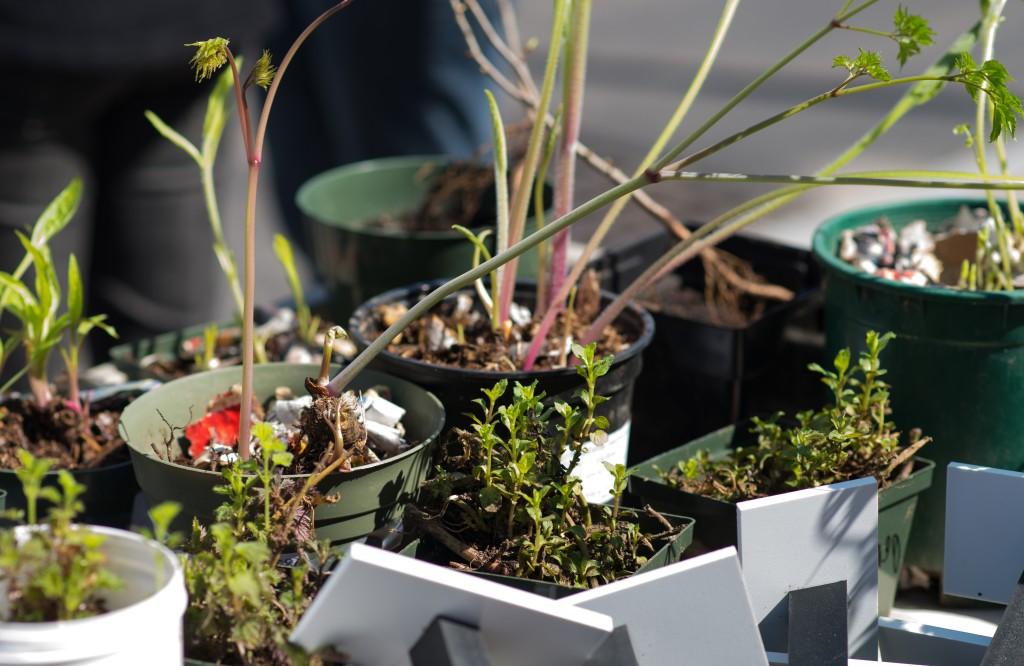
{"type": "Point", "coordinates": [102, 468]}
{"type": "Point", "coordinates": [305, 193]}
{"type": "Point", "coordinates": [825, 253]}
{"type": "Point", "coordinates": [414, 450]}
{"type": "Point", "coordinates": [176, 576]}
{"type": "Point", "coordinates": [633, 309]}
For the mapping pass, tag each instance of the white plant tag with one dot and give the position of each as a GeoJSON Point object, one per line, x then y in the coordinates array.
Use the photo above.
{"type": "Point", "coordinates": [597, 481]}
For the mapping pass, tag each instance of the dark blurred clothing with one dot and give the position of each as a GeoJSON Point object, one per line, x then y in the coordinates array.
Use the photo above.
{"type": "Point", "coordinates": [78, 76]}
{"type": "Point", "coordinates": [123, 34]}
{"type": "Point", "coordinates": [382, 78]}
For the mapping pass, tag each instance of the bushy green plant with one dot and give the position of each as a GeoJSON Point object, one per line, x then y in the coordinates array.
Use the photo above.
{"type": "Point", "coordinates": [244, 599]}
{"type": "Point", "coordinates": [851, 438]}
{"type": "Point", "coordinates": [503, 501]}
{"type": "Point", "coordinates": [56, 570]}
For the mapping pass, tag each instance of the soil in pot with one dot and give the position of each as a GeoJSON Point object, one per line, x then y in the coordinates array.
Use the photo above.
{"type": "Point", "coordinates": [85, 442]}
{"type": "Point", "coordinates": [198, 348]}
{"type": "Point", "coordinates": [505, 500]}
{"type": "Point", "coordinates": [460, 192]}
{"type": "Point", "coordinates": [458, 332]}
{"type": "Point", "coordinates": [369, 495]}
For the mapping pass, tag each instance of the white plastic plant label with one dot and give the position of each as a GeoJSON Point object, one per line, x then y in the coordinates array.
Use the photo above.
{"type": "Point", "coordinates": [597, 481]}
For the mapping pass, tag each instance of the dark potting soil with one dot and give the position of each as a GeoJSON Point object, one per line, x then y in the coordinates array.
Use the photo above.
{"type": "Point", "coordinates": [671, 297]}
{"type": "Point", "coordinates": [458, 333]}
{"type": "Point", "coordinates": [457, 196]}
{"type": "Point", "coordinates": [74, 439]}
{"type": "Point", "coordinates": [229, 352]}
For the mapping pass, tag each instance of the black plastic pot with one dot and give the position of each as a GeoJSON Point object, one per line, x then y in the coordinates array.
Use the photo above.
{"type": "Point", "coordinates": [109, 490]}
{"type": "Point", "coordinates": [702, 376]}
{"type": "Point", "coordinates": [370, 495]}
{"type": "Point", "coordinates": [669, 553]}
{"type": "Point", "coordinates": [716, 519]}
{"type": "Point", "coordinates": [456, 388]}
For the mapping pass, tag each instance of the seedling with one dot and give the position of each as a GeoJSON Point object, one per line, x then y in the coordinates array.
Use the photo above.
{"type": "Point", "coordinates": [36, 309]}
{"type": "Point", "coordinates": [242, 605]}
{"type": "Point", "coordinates": [308, 324]}
{"type": "Point", "coordinates": [56, 571]}
{"type": "Point", "coordinates": [503, 501]}
{"type": "Point", "coordinates": [849, 439]}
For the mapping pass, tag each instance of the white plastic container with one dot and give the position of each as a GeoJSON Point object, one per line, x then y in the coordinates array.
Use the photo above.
{"type": "Point", "coordinates": [142, 626]}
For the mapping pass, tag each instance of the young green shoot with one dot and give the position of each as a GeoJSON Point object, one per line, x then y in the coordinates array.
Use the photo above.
{"type": "Point", "coordinates": [308, 324]}
{"type": "Point", "coordinates": [79, 326]}
{"type": "Point", "coordinates": [205, 158]}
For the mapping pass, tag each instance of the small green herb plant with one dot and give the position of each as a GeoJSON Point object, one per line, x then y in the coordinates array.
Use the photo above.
{"type": "Point", "coordinates": [244, 599]}
{"type": "Point", "coordinates": [851, 438]}
{"type": "Point", "coordinates": [42, 327]}
{"type": "Point", "coordinates": [503, 502]}
{"type": "Point", "coordinates": [55, 571]}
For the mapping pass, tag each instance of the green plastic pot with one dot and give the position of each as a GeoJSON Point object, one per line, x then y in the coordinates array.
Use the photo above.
{"type": "Point", "coordinates": [370, 496]}
{"type": "Point", "coordinates": [669, 553]}
{"type": "Point", "coordinates": [716, 520]}
{"type": "Point", "coordinates": [127, 357]}
{"type": "Point", "coordinates": [956, 365]}
{"type": "Point", "coordinates": [358, 260]}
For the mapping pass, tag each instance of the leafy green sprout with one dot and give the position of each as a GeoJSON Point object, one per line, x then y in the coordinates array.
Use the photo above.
{"type": "Point", "coordinates": [58, 571]}
{"type": "Point", "coordinates": [308, 324]}
{"type": "Point", "coordinates": [36, 308]}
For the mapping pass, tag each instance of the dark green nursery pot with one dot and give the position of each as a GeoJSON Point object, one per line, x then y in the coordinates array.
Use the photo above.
{"type": "Point", "coordinates": [669, 553]}
{"type": "Point", "coordinates": [359, 259]}
{"type": "Point", "coordinates": [716, 520]}
{"type": "Point", "coordinates": [370, 495]}
{"type": "Point", "coordinates": [957, 363]}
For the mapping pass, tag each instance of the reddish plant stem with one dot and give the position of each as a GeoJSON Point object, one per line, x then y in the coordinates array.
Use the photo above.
{"type": "Point", "coordinates": [575, 75]}
{"type": "Point", "coordinates": [254, 154]}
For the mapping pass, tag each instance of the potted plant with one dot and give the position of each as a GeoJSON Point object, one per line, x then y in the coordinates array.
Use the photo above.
{"type": "Point", "coordinates": [293, 334]}
{"type": "Point", "coordinates": [955, 306]}
{"type": "Point", "coordinates": [541, 335]}
{"type": "Point", "coordinates": [78, 594]}
{"type": "Point", "coordinates": [848, 439]}
{"type": "Point", "coordinates": [402, 208]}
{"type": "Point", "coordinates": [79, 433]}
{"type": "Point", "coordinates": [508, 501]}
{"type": "Point", "coordinates": [252, 573]}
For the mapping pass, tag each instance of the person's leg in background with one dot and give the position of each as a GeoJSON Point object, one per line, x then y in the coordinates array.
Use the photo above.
{"type": "Point", "coordinates": [154, 267]}
{"type": "Point", "coordinates": [382, 78]}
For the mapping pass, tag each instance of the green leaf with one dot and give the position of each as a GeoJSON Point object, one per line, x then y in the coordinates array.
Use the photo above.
{"type": "Point", "coordinates": [991, 78]}
{"type": "Point", "coordinates": [911, 32]}
{"type": "Point", "coordinates": [867, 63]}
{"type": "Point", "coordinates": [75, 296]}
{"type": "Point", "coordinates": [57, 214]}
{"type": "Point", "coordinates": [216, 114]}
{"type": "Point", "coordinates": [244, 584]}
{"type": "Point", "coordinates": [18, 290]}
{"type": "Point", "coordinates": [490, 499]}
{"type": "Point", "coordinates": [172, 135]}
{"type": "Point", "coordinates": [283, 250]}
